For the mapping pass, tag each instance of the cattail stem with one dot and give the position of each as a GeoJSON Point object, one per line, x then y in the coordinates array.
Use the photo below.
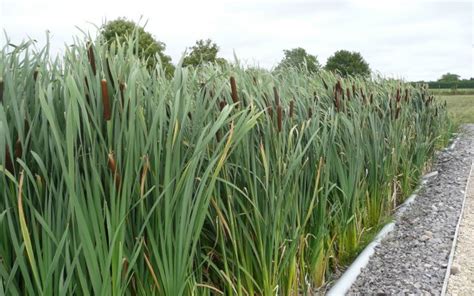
{"type": "Point", "coordinates": [105, 100]}
{"type": "Point", "coordinates": [233, 87]}
{"type": "Point", "coordinates": [90, 55]}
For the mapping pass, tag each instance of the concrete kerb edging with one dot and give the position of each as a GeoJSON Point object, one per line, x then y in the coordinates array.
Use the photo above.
{"type": "Point", "coordinates": [456, 233]}
{"type": "Point", "coordinates": [345, 282]}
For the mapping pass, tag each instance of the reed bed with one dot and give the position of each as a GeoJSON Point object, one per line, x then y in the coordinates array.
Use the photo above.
{"type": "Point", "coordinates": [116, 180]}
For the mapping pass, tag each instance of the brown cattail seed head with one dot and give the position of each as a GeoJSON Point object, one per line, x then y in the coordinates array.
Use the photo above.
{"type": "Point", "coordinates": [122, 90]}
{"type": "Point", "coordinates": [113, 168]}
{"type": "Point", "coordinates": [339, 86]}
{"type": "Point", "coordinates": [292, 107]}
{"type": "Point", "coordinates": [222, 105]}
{"type": "Point", "coordinates": [310, 112]}
{"type": "Point", "coordinates": [90, 55]}
{"type": "Point", "coordinates": [233, 87]}
{"type": "Point", "coordinates": [279, 117]}
{"type": "Point", "coordinates": [18, 149]}
{"type": "Point", "coordinates": [105, 100]}
{"type": "Point", "coordinates": [8, 159]}
{"type": "Point", "coordinates": [270, 111]}
{"type": "Point", "coordinates": [398, 95]}
{"type": "Point", "coordinates": [277, 97]}
{"type": "Point", "coordinates": [406, 95]}
{"type": "Point", "coordinates": [35, 75]}
{"type": "Point", "coordinates": [336, 99]}
{"type": "Point", "coordinates": [397, 113]}
{"type": "Point", "coordinates": [125, 267]}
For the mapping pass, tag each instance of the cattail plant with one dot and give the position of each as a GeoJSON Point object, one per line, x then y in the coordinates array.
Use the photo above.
{"type": "Point", "coordinates": [279, 117]}
{"type": "Point", "coordinates": [276, 96]}
{"type": "Point", "coordinates": [35, 75]}
{"type": "Point", "coordinates": [113, 168]}
{"type": "Point", "coordinates": [18, 149]}
{"type": "Point", "coordinates": [233, 87]}
{"type": "Point", "coordinates": [8, 160]}
{"type": "Point", "coordinates": [222, 105]}
{"type": "Point", "coordinates": [122, 87]}
{"type": "Point", "coordinates": [91, 57]}
{"type": "Point", "coordinates": [336, 99]}
{"type": "Point", "coordinates": [197, 211]}
{"type": "Point", "coordinates": [292, 107]}
{"type": "Point", "coordinates": [105, 100]}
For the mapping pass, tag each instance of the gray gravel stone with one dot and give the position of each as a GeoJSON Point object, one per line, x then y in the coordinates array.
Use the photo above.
{"type": "Point", "coordinates": [414, 258]}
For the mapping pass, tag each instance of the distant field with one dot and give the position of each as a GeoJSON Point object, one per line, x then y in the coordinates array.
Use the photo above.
{"type": "Point", "coordinates": [460, 107]}
{"type": "Point", "coordinates": [447, 91]}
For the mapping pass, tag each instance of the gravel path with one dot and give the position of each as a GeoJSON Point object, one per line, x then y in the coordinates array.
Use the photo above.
{"type": "Point", "coordinates": [461, 281]}
{"type": "Point", "coordinates": [413, 258]}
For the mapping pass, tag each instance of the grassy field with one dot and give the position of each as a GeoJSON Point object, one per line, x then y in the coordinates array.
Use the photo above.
{"type": "Point", "coordinates": [452, 92]}
{"type": "Point", "coordinates": [460, 107]}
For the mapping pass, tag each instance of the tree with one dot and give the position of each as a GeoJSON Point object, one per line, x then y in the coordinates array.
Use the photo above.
{"type": "Point", "coordinates": [348, 63]}
{"type": "Point", "coordinates": [449, 77]}
{"type": "Point", "coordinates": [297, 57]}
{"type": "Point", "coordinates": [204, 51]}
{"type": "Point", "coordinates": [148, 47]}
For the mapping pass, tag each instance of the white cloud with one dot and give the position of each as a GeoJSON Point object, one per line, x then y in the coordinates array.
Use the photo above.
{"type": "Point", "coordinates": [417, 39]}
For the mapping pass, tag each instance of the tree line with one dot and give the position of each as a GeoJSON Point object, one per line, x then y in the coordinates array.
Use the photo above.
{"type": "Point", "coordinates": [345, 62]}
{"type": "Point", "coordinates": [450, 81]}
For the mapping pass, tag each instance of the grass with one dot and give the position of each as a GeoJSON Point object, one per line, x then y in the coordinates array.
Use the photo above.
{"type": "Point", "coordinates": [118, 180]}
{"type": "Point", "coordinates": [451, 92]}
{"type": "Point", "coordinates": [460, 107]}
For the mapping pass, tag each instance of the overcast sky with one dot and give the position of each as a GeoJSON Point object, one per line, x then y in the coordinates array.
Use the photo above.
{"type": "Point", "coordinates": [415, 40]}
